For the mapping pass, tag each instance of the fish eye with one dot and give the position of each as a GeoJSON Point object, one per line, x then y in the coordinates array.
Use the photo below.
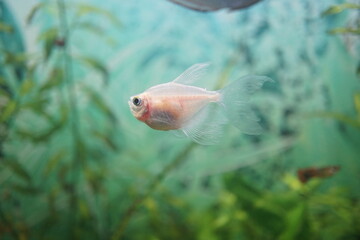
{"type": "Point", "coordinates": [136, 101]}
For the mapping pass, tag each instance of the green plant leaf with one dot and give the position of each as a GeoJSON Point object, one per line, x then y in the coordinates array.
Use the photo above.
{"type": "Point", "coordinates": [96, 30]}
{"type": "Point", "coordinates": [8, 111]}
{"type": "Point", "coordinates": [33, 11]}
{"type": "Point", "coordinates": [357, 104]}
{"type": "Point", "coordinates": [85, 9]}
{"type": "Point", "coordinates": [106, 139]}
{"type": "Point", "coordinates": [38, 137]}
{"type": "Point", "coordinates": [339, 8]}
{"type": "Point", "coordinates": [17, 169]}
{"type": "Point", "coordinates": [48, 38]}
{"type": "Point", "coordinates": [55, 79]}
{"type": "Point", "coordinates": [14, 58]}
{"type": "Point", "coordinates": [84, 209]}
{"type": "Point", "coordinates": [64, 113]}
{"type": "Point", "coordinates": [339, 117]}
{"type": "Point", "coordinates": [46, 134]}
{"type": "Point", "coordinates": [96, 65]}
{"type": "Point", "coordinates": [344, 30]}
{"type": "Point", "coordinates": [292, 182]}
{"type": "Point", "coordinates": [2, 80]}
{"type": "Point", "coordinates": [295, 223]}
{"type": "Point", "coordinates": [94, 178]}
{"type": "Point", "coordinates": [53, 162]}
{"type": "Point", "coordinates": [26, 86]}
{"type": "Point", "coordinates": [252, 194]}
{"type": "Point", "coordinates": [100, 104]}
{"type": "Point", "coordinates": [3, 87]}
{"type": "Point", "coordinates": [5, 28]}
{"type": "Point", "coordinates": [27, 190]}
{"type": "Point", "coordinates": [5, 96]}
{"type": "Point", "coordinates": [63, 171]}
{"type": "Point", "coordinates": [37, 104]}
{"type": "Point", "coordinates": [90, 27]}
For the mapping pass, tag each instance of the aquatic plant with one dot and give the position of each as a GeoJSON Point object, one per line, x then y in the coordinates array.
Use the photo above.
{"type": "Point", "coordinates": [42, 113]}
{"type": "Point", "coordinates": [352, 26]}
{"type": "Point", "coordinates": [337, 9]}
{"type": "Point", "coordinates": [343, 118]}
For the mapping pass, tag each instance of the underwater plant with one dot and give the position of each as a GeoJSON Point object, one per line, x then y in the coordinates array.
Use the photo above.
{"type": "Point", "coordinates": [11, 44]}
{"type": "Point", "coordinates": [351, 28]}
{"type": "Point", "coordinates": [42, 118]}
{"type": "Point", "coordinates": [337, 9]}
{"type": "Point", "coordinates": [242, 211]}
{"type": "Point", "coordinates": [343, 118]}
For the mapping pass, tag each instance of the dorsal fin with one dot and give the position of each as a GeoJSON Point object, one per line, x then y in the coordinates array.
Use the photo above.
{"type": "Point", "coordinates": [192, 74]}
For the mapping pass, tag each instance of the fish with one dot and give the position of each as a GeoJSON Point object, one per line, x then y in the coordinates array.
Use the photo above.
{"type": "Point", "coordinates": [214, 5]}
{"type": "Point", "coordinates": [196, 112]}
{"type": "Point", "coordinates": [305, 174]}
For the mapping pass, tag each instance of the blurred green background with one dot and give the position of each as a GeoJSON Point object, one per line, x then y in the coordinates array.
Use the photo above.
{"type": "Point", "coordinates": [75, 164]}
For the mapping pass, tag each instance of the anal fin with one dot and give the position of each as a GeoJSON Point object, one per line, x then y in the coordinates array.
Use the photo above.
{"type": "Point", "coordinates": [206, 126]}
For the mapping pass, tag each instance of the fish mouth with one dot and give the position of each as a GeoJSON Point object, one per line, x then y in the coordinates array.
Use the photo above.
{"type": "Point", "coordinates": [131, 106]}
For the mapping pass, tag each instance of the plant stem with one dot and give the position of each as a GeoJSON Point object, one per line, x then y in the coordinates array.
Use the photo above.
{"type": "Point", "coordinates": [12, 229]}
{"type": "Point", "coordinates": [68, 67]}
{"type": "Point", "coordinates": [152, 187]}
{"type": "Point", "coordinates": [75, 130]}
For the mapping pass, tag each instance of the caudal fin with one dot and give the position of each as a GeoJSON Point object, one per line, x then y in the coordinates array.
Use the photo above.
{"type": "Point", "coordinates": [235, 99]}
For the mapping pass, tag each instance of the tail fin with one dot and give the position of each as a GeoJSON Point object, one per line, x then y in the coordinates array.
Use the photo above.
{"type": "Point", "coordinates": [235, 99]}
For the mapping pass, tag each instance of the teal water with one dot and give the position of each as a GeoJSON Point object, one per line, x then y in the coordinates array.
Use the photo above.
{"type": "Point", "coordinates": [76, 164]}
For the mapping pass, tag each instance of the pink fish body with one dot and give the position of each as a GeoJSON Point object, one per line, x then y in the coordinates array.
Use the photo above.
{"type": "Point", "coordinates": [196, 112]}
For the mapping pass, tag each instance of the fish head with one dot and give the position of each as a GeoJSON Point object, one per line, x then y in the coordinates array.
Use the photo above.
{"type": "Point", "coordinates": [139, 106]}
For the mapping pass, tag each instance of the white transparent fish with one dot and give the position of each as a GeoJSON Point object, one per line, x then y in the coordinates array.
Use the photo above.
{"type": "Point", "coordinates": [196, 112]}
